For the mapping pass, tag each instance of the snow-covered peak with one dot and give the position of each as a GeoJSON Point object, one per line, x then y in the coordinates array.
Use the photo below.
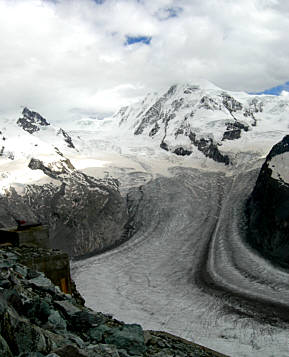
{"type": "Point", "coordinates": [30, 135]}
{"type": "Point", "coordinates": [202, 119]}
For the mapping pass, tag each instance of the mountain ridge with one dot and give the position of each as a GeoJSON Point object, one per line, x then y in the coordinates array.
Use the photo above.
{"type": "Point", "coordinates": [188, 119]}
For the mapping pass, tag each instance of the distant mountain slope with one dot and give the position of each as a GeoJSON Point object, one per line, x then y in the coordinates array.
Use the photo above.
{"type": "Point", "coordinates": [203, 119]}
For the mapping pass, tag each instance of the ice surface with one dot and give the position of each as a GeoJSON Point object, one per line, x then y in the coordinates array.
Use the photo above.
{"type": "Point", "coordinates": [187, 270]}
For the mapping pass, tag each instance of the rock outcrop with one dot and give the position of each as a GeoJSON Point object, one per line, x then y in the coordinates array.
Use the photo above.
{"type": "Point", "coordinates": [37, 320]}
{"type": "Point", "coordinates": [268, 207]}
{"type": "Point", "coordinates": [84, 214]}
{"type": "Point", "coordinates": [31, 121]}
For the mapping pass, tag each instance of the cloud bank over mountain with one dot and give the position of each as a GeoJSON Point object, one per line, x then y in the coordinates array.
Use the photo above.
{"type": "Point", "coordinates": [70, 58]}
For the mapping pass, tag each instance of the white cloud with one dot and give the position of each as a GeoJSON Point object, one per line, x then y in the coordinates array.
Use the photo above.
{"type": "Point", "coordinates": [69, 54]}
{"type": "Point", "coordinates": [284, 93]}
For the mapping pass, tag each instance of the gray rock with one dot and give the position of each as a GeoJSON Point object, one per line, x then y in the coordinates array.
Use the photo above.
{"type": "Point", "coordinates": [103, 350]}
{"type": "Point", "coordinates": [67, 308]}
{"type": "Point", "coordinates": [76, 340]}
{"type": "Point", "coordinates": [129, 338]}
{"type": "Point", "coordinates": [31, 354]}
{"type": "Point", "coordinates": [82, 320]}
{"type": "Point", "coordinates": [37, 310]}
{"type": "Point", "coordinates": [71, 351]}
{"type": "Point", "coordinates": [4, 348]}
{"type": "Point", "coordinates": [5, 264]}
{"type": "Point", "coordinates": [56, 322]}
{"type": "Point", "coordinates": [6, 284]}
{"type": "Point", "coordinates": [3, 305]}
{"type": "Point", "coordinates": [123, 353]}
{"type": "Point", "coordinates": [41, 282]}
{"type": "Point", "coordinates": [13, 298]}
{"type": "Point", "coordinates": [31, 274]}
{"type": "Point", "coordinates": [164, 353]}
{"type": "Point", "coordinates": [21, 269]}
{"type": "Point", "coordinates": [29, 338]}
{"type": "Point", "coordinates": [96, 333]}
{"type": "Point", "coordinates": [11, 256]}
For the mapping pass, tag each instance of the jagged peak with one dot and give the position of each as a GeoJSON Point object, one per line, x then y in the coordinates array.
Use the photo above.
{"type": "Point", "coordinates": [36, 117]}
{"type": "Point", "coordinates": [31, 121]}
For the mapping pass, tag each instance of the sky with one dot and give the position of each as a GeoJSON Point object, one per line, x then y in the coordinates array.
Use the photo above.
{"type": "Point", "coordinates": [73, 58]}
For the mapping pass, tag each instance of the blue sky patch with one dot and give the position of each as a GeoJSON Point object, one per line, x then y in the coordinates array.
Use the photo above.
{"type": "Point", "coordinates": [130, 40]}
{"type": "Point", "coordinates": [275, 90]}
{"type": "Point", "coordinates": [173, 11]}
{"type": "Point", "coordinates": [168, 13]}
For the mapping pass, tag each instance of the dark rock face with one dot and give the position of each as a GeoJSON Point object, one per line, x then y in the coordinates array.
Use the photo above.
{"type": "Point", "coordinates": [67, 138]}
{"type": "Point", "coordinates": [84, 214]}
{"type": "Point", "coordinates": [233, 131]}
{"type": "Point", "coordinates": [154, 130]}
{"type": "Point", "coordinates": [38, 320]}
{"type": "Point", "coordinates": [181, 151]}
{"type": "Point", "coordinates": [155, 112]}
{"type": "Point", "coordinates": [31, 121]}
{"type": "Point", "coordinates": [209, 103]}
{"type": "Point", "coordinates": [231, 103]}
{"type": "Point", "coordinates": [268, 208]}
{"type": "Point", "coordinates": [209, 149]}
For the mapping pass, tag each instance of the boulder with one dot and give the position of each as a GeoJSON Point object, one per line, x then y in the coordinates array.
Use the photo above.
{"type": "Point", "coordinates": [129, 338]}
{"type": "Point", "coordinates": [71, 351]}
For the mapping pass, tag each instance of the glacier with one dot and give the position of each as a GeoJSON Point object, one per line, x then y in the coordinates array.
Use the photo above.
{"type": "Point", "coordinates": [186, 268]}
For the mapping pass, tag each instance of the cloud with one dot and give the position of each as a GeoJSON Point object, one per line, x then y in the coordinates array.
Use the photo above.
{"type": "Point", "coordinates": [285, 93]}
{"type": "Point", "coordinates": [63, 57]}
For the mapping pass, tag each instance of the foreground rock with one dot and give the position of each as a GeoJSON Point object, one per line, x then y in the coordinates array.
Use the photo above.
{"type": "Point", "coordinates": [268, 207]}
{"type": "Point", "coordinates": [84, 214]}
{"type": "Point", "coordinates": [37, 319]}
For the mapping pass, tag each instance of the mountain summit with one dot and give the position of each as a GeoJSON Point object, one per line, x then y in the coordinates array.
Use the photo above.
{"type": "Point", "coordinates": [31, 121]}
{"type": "Point", "coordinates": [202, 119]}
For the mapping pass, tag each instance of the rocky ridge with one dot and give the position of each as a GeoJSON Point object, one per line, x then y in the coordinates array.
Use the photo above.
{"type": "Point", "coordinates": [38, 320]}
{"type": "Point", "coordinates": [88, 214]}
{"type": "Point", "coordinates": [268, 207]}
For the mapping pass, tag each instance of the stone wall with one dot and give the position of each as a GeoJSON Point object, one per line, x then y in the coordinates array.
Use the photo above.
{"type": "Point", "coordinates": [53, 263]}
{"type": "Point", "coordinates": [33, 236]}
{"type": "Point", "coordinates": [34, 241]}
